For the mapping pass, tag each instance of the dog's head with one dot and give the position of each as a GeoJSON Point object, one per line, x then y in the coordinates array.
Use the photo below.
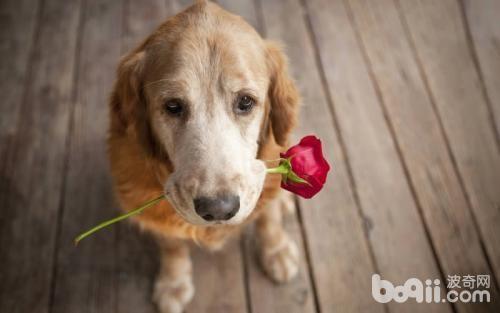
{"type": "Point", "coordinates": [202, 94]}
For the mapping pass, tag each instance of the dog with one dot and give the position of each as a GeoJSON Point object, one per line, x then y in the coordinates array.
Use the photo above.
{"type": "Point", "coordinates": [194, 111]}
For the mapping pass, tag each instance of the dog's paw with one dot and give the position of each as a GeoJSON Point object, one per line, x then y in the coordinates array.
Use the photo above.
{"type": "Point", "coordinates": [281, 262]}
{"type": "Point", "coordinates": [171, 296]}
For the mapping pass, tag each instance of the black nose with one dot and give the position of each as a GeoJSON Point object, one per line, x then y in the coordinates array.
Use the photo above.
{"type": "Point", "coordinates": [217, 209]}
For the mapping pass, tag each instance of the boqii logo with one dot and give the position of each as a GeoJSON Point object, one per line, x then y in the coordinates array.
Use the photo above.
{"type": "Point", "coordinates": [465, 289]}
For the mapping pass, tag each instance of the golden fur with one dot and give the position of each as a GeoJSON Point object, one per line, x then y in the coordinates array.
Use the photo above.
{"type": "Point", "coordinates": [135, 167]}
{"type": "Point", "coordinates": [139, 164]}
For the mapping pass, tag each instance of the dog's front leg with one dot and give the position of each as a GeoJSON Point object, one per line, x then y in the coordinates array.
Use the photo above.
{"type": "Point", "coordinates": [279, 254]}
{"type": "Point", "coordinates": [174, 285]}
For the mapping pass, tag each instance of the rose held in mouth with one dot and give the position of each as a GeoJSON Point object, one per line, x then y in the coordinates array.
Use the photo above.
{"type": "Point", "coordinates": [303, 170]}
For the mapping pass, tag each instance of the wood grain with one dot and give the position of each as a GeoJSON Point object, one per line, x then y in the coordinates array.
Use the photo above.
{"type": "Point", "coordinates": [404, 95]}
{"type": "Point", "coordinates": [17, 33]}
{"type": "Point", "coordinates": [33, 183]}
{"type": "Point", "coordinates": [455, 87]}
{"type": "Point", "coordinates": [178, 5]}
{"type": "Point", "coordinates": [141, 19]}
{"type": "Point", "coordinates": [248, 10]}
{"type": "Point", "coordinates": [397, 231]}
{"type": "Point", "coordinates": [422, 144]}
{"type": "Point", "coordinates": [219, 280]}
{"type": "Point", "coordinates": [341, 260]}
{"type": "Point", "coordinates": [482, 21]}
{"type": "Point", "coordinates": [86, 277]}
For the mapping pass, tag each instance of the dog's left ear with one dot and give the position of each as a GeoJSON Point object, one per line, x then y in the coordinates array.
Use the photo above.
{"type": "Point", "coordinates": [283, 95]}
{"type": "Point", "coordinates": [129, 112]}
{"type": "Point", "coordinates": [126, 98]}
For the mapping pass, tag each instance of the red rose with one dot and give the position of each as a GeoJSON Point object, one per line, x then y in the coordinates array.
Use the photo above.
{"type": "Point", "coordinates": [304, 169]}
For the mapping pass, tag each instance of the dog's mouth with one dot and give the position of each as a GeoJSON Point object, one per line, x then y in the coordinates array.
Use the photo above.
{"type": "Point", "coordinates": [222, 202]}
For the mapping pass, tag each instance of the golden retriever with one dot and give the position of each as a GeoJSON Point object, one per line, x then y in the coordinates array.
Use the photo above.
{"type": "Point", "coordinates": [195, 109]}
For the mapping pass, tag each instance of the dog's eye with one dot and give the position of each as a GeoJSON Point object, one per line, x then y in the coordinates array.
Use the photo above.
{"type": "Point", "coordinates": [174, 107]}
{"type": "Point", "coordinates": [245, 104]}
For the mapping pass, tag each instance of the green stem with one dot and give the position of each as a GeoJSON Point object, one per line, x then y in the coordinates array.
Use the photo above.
{"type": "Point", "coordinates": [275, 160]}
{"type": "Point", "coordinates": [118, 218]}
{"type": "Point", "coordinates": [277, 170]}
{"type": "Point", "coordinates": [284, 168]}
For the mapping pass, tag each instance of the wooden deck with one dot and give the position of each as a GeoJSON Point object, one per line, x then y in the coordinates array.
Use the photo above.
{"type": "Point", "coordinates": [405, 95]}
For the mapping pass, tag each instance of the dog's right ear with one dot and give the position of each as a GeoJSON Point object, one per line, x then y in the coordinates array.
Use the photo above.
{"type": "Point", "coordinates": [127, 99]}
{"type": "Point", "coordinates": [283, 95]}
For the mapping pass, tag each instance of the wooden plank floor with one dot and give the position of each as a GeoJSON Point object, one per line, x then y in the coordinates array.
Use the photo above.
{"type": "Point", "coordinates": [404, 94]}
